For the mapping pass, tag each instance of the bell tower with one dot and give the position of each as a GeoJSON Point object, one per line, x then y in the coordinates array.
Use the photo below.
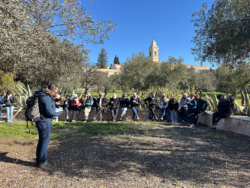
{"type": "Point", "coordinates": [154, 51]}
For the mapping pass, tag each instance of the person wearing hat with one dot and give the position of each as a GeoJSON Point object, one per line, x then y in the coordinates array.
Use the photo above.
{"type": "Point", "coordinates": [76, 104]}
{"type": "Point", "coordinates": [101, 105]}
{"type": "Point", "coordinates": [124, 106]}
{"type": "Point", "coordinates": [66, 107]}
{"type": "Point", "coordinates": [152, 102]}
{"type": "Point", "coordinates": [163, 105]}
{"type": "Point", "coordinates": [135, 101]}
{"type": "Point", "coordinates": [223, 110]}
{"type": "Point", "coordinates": [9, 101]}
{"type": "Point", "coordinates": [88, 106]}
{"type": "Point", "coordinates": [114, 106]}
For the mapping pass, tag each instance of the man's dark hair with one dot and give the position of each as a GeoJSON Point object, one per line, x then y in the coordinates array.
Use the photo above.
{"type": "Point", "coordinates": [53, 87]}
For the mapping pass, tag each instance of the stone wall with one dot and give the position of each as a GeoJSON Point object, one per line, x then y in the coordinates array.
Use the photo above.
{"type": "Point", "coordinates": [143, 114]}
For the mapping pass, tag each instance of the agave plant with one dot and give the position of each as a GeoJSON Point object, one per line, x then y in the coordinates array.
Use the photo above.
{"type": "Point", "coordinates": [213, 101]}
{"type": "Point", "coordinates": [22, 94]}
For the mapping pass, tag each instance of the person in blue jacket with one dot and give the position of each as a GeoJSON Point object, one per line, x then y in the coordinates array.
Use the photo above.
{"type": "Point", "coordinates": [1, 103]}
{"type": "Point", "coordinates": [192, 105]}
{"type": "Point", "coordinates": [47, 110]}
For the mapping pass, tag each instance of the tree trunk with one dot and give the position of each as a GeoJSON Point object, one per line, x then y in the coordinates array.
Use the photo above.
{"type": "Point", "coordinates": [200, 93]}
{"type": "Point", "coordinates": [106, 91]}
{"type": "Point", "coordinates": [242, 98]}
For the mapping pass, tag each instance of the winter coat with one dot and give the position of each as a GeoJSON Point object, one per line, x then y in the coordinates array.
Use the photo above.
{"type": "Point", "coordinates": [114, 103]}
{"type": "Point", "coordinates": [75, 106]}
{"type": "Point", "coordinates": [224, 107]}
{"type": "Point", "coordinates": [202, 105]}
{"type": "Point", "coordinates": [124, 102]}
{"type": "Point", "coordinates": [192, 104]}
{"type": "Point", "coordinates": [9, 101]}
{"type": "Point", "coordinates": [162, 103]}
{"type": "Point", "coordinates": [183, 102]}
{"type": "Point", "coordinates": [47, 105]}
{"type": "Point", "coordinates": [151, 100]}
{"type": "Point", "coordinates": [136, 103]}
{"type": "Point", "coordinates": [173, 106]}
{"type": "Point", "coordinates": [89, 103]}
{"type": "Point", "coordinates": [104, 104]}
{"type": "Point", "coordinates": [59, 102]}
{"type": "Point", "coordinates": [67, 104]}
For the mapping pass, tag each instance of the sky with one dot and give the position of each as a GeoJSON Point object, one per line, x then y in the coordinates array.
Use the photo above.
{"type": "Point", "coordinates": [138, 21]}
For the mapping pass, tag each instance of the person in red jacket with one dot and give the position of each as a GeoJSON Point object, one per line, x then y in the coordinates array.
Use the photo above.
{"type": "Point", "coordinates": [76, 104]}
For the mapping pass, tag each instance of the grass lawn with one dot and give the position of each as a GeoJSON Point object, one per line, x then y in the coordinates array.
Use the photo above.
{"type": "Point", "coordinates": [125, 154]}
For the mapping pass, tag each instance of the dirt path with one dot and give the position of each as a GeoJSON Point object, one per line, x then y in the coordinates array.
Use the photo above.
{"type": "Point", "coordinates": [160, 156]}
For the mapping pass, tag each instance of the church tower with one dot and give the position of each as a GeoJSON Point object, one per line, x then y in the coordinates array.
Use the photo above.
{"type": "Point", "coordinates": [154, 51]}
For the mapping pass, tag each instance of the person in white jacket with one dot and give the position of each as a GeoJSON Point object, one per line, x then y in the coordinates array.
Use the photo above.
{"type": "Point", "coordinates": [163, 105]}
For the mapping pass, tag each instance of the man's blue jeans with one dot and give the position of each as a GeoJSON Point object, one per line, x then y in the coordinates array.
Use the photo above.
{"type": "Point", "coordinates": [134, 113]}
{"type": "Point", "coordinates": [9, 113]}
{"type": "Point", "coordinates": [44, 131]}
{"type": "Point", "coordinates": [164, 113]}
{"type": "Point", "coordinates": [174, 117]}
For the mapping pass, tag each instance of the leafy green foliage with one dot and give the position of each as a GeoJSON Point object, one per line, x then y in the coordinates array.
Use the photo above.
{"type": "Point", "coordinates": [6, 81]}
{"type": "Point", "coordinates": [116, 60]}
{"type": "Point", "coordinates": [222, 33]}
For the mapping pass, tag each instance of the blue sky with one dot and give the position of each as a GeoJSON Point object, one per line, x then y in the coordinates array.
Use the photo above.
{"type": "Point", "coordinates": [138, 21]}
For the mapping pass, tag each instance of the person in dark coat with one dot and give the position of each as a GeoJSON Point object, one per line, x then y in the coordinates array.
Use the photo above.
{"type": "Point", "coordinates": [152, 102]}
{"type": "Point", "coordinates": [184, 106]}
{"type": "Point", "coordinates": [102, 105]}
{"type": "Point", "coordinates": [223, 110]}
{"type": "Point", "coordinates": [66, 107]}
{"type": "Point", "coordinates": [1, 103]}
{"type": "Point", "coordinates": [47, 110]}
{"type": "Point", "coordinates": [202, 108]}
{"type": "Point", "coordinates": [192, 105]}
{"type": "Point", "coordinates": [124, 106]}
{"type": "Point", "coordinates": [135, 101]}
{"type": "Point", "coordinates": [173, 107]}
{"type": "Point", "coordinates": [76, 105]}
{"type": "Point", "coordinates": [9, 101]}
{"type": "Point", "coordinates": [114, 106]}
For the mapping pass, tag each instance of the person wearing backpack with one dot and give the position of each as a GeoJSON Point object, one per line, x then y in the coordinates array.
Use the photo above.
{"type": "Point", "coordinates": [47, 111]}
{"type": "Point", "coordinates": [9, 101]}
{"type": "Point", "coordinates": [223, 110]}
{"type": "Point", "coordinates": [1, 103]}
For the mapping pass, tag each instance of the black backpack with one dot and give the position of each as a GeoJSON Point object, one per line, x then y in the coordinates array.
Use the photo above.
{"type": "Point", "coordinates": [32, 112]}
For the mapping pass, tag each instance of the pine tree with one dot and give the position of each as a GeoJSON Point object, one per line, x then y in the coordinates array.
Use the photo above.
{"type": "Point", "coordinates": [116, 60]}
{"type": "Point", "coordinates": [102, 59]}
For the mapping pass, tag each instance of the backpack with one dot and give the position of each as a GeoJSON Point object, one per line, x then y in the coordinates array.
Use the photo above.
{"type": "Point", "coordinates": [32, 112]}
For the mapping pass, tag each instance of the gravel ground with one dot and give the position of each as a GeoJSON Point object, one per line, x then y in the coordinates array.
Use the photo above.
{"type": "Point", "coordinates": [160, 156]}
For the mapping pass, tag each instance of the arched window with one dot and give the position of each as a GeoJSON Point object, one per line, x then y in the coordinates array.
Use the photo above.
{"type": "Point", "coordinates": [155, 52]}
{"type": "Point", "coordinates": [150, 54]}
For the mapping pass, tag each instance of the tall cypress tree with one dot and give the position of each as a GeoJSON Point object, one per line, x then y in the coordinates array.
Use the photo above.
{"type": "Point", "coordinates": [116, 60]}
{"type": "Point", "coordinates": [102, 59]}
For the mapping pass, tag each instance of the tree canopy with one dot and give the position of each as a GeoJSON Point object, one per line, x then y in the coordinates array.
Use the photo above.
{"type": "Point", "coordinates": [222, 32]}
{"type": "Point", "coordinates": [102, 59]}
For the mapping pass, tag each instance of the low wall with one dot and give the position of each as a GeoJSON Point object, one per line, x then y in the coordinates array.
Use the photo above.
{"type": "Point", "coordinates": [143, 114]}
{"type": "Point", "coordinates": [235, 124]}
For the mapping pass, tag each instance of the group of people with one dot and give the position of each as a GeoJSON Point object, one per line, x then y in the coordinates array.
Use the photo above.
{"type": "Point", "coordinates": [7, 101]}
{"type": "Point", "coordinates": [188, 107]}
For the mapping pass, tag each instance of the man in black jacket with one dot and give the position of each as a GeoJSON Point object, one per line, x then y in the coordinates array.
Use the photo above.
{"type": "Point", "coordinates": [101, 105]}
{"type": "Point", "coordinates": [151, 101]}
{"type": "Point", "coordinates": [114, 106]}
{"type": "Point", "coordinates": [223, 110]}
